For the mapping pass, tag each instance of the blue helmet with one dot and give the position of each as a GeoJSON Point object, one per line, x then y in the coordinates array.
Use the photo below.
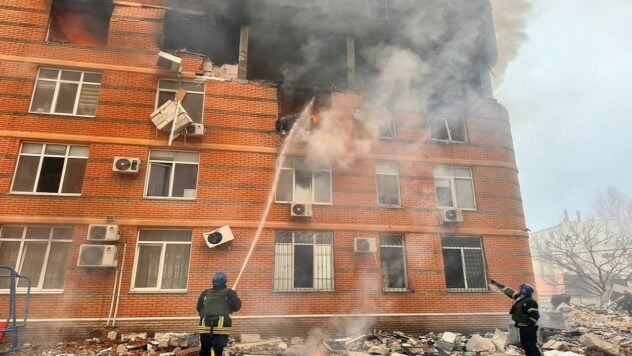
{"type": "Point", "coordinates": [219, 279]}
{"type": "Point", "coordinates": [526, 289]}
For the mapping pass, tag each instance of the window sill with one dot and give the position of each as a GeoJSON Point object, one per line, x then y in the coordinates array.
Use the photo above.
{"type": "Point", "coordinates": [451, 207]}
{"type": "Point", "coordinates": [301, 202]}
{"type": "Point", "coordinates": [397, 290]}
{"type": "Point", "coordinates": [48, 194]}
{"type": "Point", "coordinates": [169, 198]}
{"type": "Point", "coordinates": [470, 290]}
{"type": "Point", "coordinates": [60, 114]}
{"type": "Point", "coordinates": [304, 290]}
{"type": "Point", "coordinates": [156, 291]}
{"type": "Point", "coordinates": [389, 206]}
{"type": "Point", "coordinates": [447, 142]}
{"type": "Point", "coordinates": [21, 292]}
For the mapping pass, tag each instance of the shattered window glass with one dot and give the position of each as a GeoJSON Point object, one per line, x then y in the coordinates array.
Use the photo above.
{"type": "Point", "coordinates": [393, 259]}
{"type": "Point", "coordinates": [301, 183]}
{"type": "Point", "coordinates": [66, 92]}
{"type": "Point", "coordinates": [59, 170]}
{"type": "Point", "coordinates": [464, 264]}
{"type": "Point", "coordinates": [193, 101]}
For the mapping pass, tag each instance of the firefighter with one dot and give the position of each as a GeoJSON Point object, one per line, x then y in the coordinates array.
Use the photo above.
{"type": "Point", "coordinates": [525, 314]}
{"type": "Point", "coordinates": [214, 306]}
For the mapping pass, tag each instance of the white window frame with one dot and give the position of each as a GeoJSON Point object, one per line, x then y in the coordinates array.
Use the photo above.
{"type": "Point", "coordinates": [385, 287]}
{"type": "Point", "coordinates": [452, 179]}
{"type": "Point", "coordinates": [393, 126]}
{"type": "Point", "coordinates": [159, 89]}
{"type": "Point", "coordinates": [289, 164]}
{"type": "Point", "coordinates": [171, 177]}
{"type": "Point", "coordinates": [39, 288]}
{"type": "Point", "coordinates": [161, 263]}
{"type": "Point", "coordinates": [462, 248]}
{"type": "Point", "coordinates": [377, 185]}
{"type": "Point", "coordinates": [57, 82]}
{"type": "Point", "coordinates": [447, 122]}
{"type": "Point", "coordinates": [283, 280]}
{"type": "Point", "coordinates": [41, 155]}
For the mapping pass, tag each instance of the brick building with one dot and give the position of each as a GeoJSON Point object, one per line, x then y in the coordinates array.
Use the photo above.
{"type": "Point", "coordinates": [435, 200]}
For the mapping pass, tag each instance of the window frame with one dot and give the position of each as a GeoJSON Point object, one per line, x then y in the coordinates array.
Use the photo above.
{"type": "Point", "coordinates": [453, 190]}
{"type": "Point", "coordinates": [161, 263]}
{"type": "Point", "coordinates": [280, 167]}
{"type": "Point", "coordinates": [385, 279]}
{"type": "Point", "coordinates": [171, 176]}
{"type": "Point", "coordinates": [446, 123]}
{"type": "Point", "coordinates": [19, 263]}
{"type": "Point", "coordinates": [377, 184]}
{"type": "Point", "coordinates": [58, 81]}
{"type": "Point", "coordinates": [278, 284]}
{"type": "Point", "coordinates": [466, 289]}
{"type": "Point", "coordinates": [41, 155]}
{"type": "Point", "coordinates": [174, 91]}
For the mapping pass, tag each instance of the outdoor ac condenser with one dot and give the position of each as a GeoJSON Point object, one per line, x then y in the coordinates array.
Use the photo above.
{"type": "Point", "coordinates": [364, 244]}
{"type": "Point", "coordinates": [97, 256]}
{"type": "Point", "coordinates": [449, 216]}
{"type": "Point", "coordinates": [218, 237]}
{"type": "Point", "coordinates": [301, 210]}
{"type": "Point", "coordinates": [103, 232]}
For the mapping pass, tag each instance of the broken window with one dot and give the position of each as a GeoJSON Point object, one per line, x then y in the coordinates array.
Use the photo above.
{"type": "Point", "coordinates": [303, 184]}
{"type": "Point", "coordinates": [388, 128]}
{"type": "Point", "coordinates": [393, 257]}
{"type": "Point", "coordinates": [66, 92]}
{"type": "Point", "coordinates": [211, 35]}
{"type": "Point", "coordinates": [303, 260]}
{"type": "Point", "coordinates": [449, 130]}
{"type": "Point", "coordinates": [80, 22]}
{"type": "Point", "coordinates": [50, 169]}
{"type": "Point", "coordinates": [193, 101]}
{"type": "Point", "coordinates": [39, 252]}
{"type": "Point", "coordinates": [162, 260]}
{"type": "Point", "coordinates": [293, 100]}
{"type": "Point", "coordinates": [172, 174]}
{"type": "Point", "coordinates": [454, 187]}
{"type": "Point", "coordinates": [464, 264]}
{"type": "Point", "coordinates": [387, 176]}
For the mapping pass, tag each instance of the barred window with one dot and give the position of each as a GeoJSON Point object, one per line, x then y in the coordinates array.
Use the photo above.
{"type": "Point", "coordinates": [393, 257]}
{"type": "Point", "coordinates": [38, 252]}
{"type": "Point", "coordinates": [301, 183]}
{"type": "Point", "coordinates": [303, 261]}
{"type": "Point", "coordinates": [172, 174]}
{"type": "Point", "coordinates": [66, 92]}
{"type": "Point", "coordinates": [50, 169]}
{"type": "Point", "coordinates": [193, 101]}
{"type": "Point", "coordinates": [464, 264]}
{"type": "Point", "coordinates": [162, 260]}
{"type": "Point", "coordinates": [387, 175]}
{"type": "Point", "coordinates": [454, 187]}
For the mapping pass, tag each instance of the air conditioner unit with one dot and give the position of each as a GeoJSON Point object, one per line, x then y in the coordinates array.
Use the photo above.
{"type": "Point", "coordinates": [169, 61]}
{"type": "Point", "coordinates": [126, 165]}
{"type": "Point", "coordinates": [218, 237]}
{"type": "Point", "coordinates": [195, 130]}
{"type": "Point", "coordinates": [103, 232]}
{"type": "Point", "coordinates": [301, 209]}
{"type": "Point", "coordinates": [364, 244]}
{"type": "Point", "coordinates": [451, 216]}
{"type": "Point", "coordinates": [97, 256]}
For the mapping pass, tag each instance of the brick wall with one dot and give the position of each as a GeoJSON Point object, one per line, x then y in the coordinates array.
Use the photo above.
{"type": "Point", "coordinates": [237, 162]}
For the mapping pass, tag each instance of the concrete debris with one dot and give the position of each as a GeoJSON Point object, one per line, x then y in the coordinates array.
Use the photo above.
{"type": "Point", "coordinates": [249, 337]}
{"type": "Point", "coordinates": [595, 343]}
{"type": "Point", "coordinates": [112, 335]}
{"type": "Point", "coordinates": [479, 344]}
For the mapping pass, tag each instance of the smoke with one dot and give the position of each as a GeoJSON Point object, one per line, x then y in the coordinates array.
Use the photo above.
{"type": "Point", "coordinates": [510, 21]}
{"type": "Point", "coordinates": [310, 51]}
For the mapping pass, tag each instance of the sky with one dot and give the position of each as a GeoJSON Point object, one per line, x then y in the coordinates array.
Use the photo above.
{"type": "Point", "coordinates": [569, 97]}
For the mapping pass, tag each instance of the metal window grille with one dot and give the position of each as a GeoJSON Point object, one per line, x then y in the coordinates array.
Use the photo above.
{"type": "Point", "coordinates": [464, 264]}
{"type": "Point", "coordinates": [393, 258]}
{"type": "Point", "coordinates": [303, 261]}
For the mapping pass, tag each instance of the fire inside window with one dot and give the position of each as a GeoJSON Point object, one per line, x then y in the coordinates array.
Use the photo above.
{"type": "Point", "coordinates": [80, 22]}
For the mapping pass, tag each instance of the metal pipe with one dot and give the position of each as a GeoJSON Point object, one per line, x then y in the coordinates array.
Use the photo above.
{"type": "Point", "coordinates": [118, 293]}
{"type": "Point", "coordinates": [116, 276]}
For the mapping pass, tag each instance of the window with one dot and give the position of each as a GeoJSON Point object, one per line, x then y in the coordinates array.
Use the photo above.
{"type": "Point", "coordinates": [38, 252]}
{"type": "Point", "coordinates": [387, 129]}
{"type": "Point", "coordinates": [454, 187]}
{"type": "Point", "coordinates": [303, 184]}
{"type": "Point", "coordinates": [193, 101]}
{"type": "Point", "coordinates": [387, 184]}
{"type": "Point", "coordinates": [172, 174]}
{"type": "Point", "coordinates": [393, 262]}
{"type": "Point", "coordinates": [303, 261]}
{"type": "Point", "coordinates": [464, 264]}
{"type": "Point", "coordinates": [80, 22]}
{"type": "Point", "coordinates": [450, 130]}
{"type": "Point", "coordinates": [162, 260]}
{"type": "Point", "coordinates": [66, 92]}
{"type": "Point", "coordinates": [50, 169]}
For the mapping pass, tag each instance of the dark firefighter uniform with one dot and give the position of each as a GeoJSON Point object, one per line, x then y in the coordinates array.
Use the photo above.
{"type": "Point", "coordinates": [214, 306]}
{"type": "Point", "coordinates": [525, 314]}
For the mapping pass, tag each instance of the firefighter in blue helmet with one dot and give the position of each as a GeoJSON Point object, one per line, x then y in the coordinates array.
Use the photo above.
{"type": "Point", "coordinates": [214, 306]}
{"type": "Point", "coordinates": [525, 314]}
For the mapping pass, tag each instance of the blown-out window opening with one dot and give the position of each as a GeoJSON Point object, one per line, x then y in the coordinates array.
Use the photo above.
{"type": "Point", "coordinates": [302, 183]}
{"type": "Point", "coordinates": [40, 252]}
{"type": "Point", "coordinates": [193, 101]}
{"type": "Point", "coordinates": [448, 130]}
{"type": "Point", "coordinates": [393, 258]}
{"type": "Point", "coordinates": [464, 264]}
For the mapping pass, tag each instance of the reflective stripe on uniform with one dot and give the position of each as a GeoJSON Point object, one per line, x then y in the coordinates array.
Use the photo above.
{"type": "Point", "coordinates": [532, 309]}
{"type": "Point", "coordinates": [535, 321]}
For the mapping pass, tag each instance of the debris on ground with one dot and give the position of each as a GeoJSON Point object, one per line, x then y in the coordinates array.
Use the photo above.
{"type": "Point", "coordinates": [569, 332]}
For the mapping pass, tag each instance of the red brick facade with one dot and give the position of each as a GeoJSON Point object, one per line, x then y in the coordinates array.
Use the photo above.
{"type": "Point", "coordinates": [237, 158]}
